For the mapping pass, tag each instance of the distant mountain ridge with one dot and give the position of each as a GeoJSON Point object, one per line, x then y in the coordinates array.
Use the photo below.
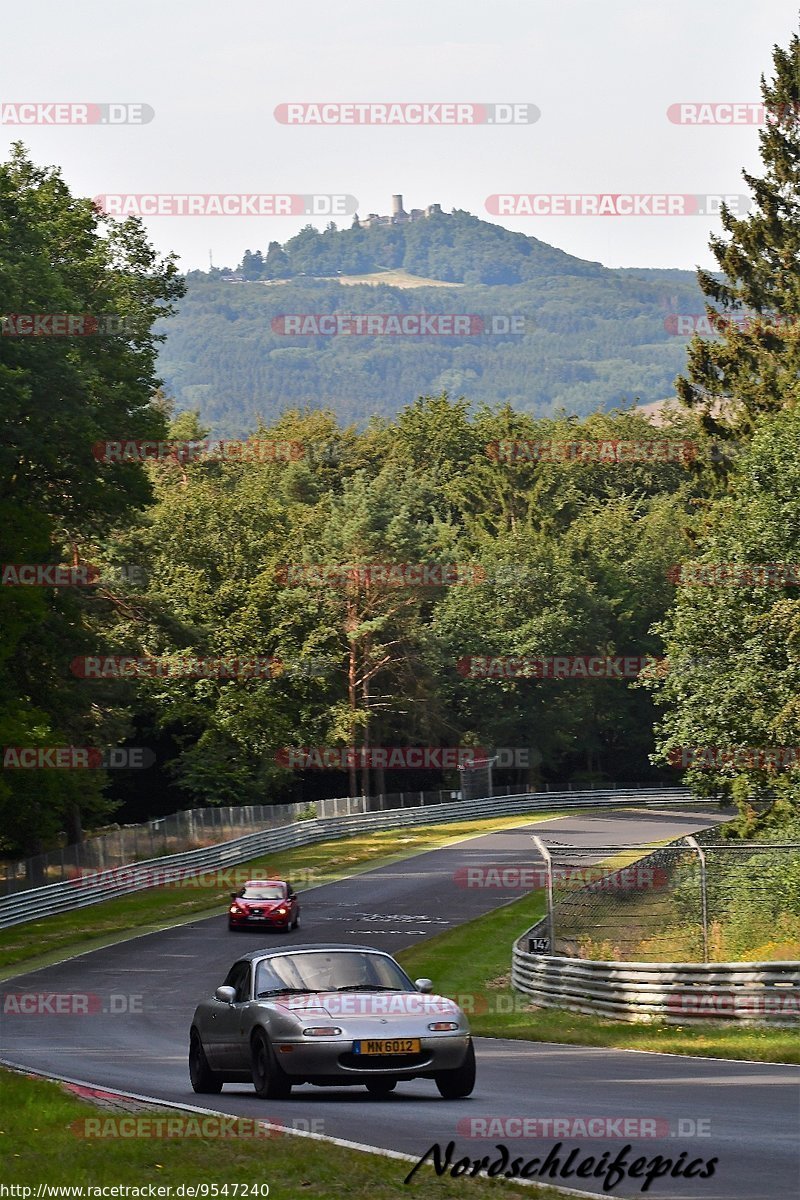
{"type": "Point", "coordinates": [583, 337]}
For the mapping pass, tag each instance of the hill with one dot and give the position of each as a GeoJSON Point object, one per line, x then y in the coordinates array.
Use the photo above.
{"type": "Point", "coordinates": [520, 322]}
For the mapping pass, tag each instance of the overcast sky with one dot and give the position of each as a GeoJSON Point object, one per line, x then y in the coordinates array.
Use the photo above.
{"type": "Point", "coordinates": [602, 73]}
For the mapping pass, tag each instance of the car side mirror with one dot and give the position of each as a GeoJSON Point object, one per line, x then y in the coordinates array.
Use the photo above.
{"type": "Point", "coordinates": [423, 985]}
{"type": "Point", "coordinates": [226, 994]}
{"type": "Point", "coordinates": [234, 896]}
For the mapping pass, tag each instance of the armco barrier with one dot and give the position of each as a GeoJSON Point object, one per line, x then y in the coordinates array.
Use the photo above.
{"type": "Point", "coordinates": [678, 993]}
{"type": "Point", "coordinates": [64, 897]}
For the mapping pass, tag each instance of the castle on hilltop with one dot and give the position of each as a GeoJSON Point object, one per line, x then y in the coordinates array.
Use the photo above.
{"type": "Point", "coordinates": [398, 215]}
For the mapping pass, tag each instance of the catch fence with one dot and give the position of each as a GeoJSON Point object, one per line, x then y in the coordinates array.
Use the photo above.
{"type": "Point", "coordinates": [701, 899]}
{"type": "Point", "coordinates": [197, 828]}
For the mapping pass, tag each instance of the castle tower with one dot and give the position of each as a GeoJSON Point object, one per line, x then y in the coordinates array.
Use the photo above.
{"type": "Point", "coordinates": [397, 206]}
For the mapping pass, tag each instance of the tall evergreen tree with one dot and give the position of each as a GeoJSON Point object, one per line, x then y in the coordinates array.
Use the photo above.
{"type": "Point", "coordinates": [276, 264]}
{"type": "Point", "coordinates": [754, 366]}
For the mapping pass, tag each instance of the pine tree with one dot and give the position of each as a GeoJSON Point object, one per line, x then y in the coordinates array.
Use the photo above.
{"type": "Point", "coordinates": [276, 264]}
{"type": "Point", "coordinates": [753, 367]}
{"type": "Point", "coordinates": [252, 265]}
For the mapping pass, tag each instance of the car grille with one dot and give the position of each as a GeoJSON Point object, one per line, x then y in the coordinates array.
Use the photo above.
{"type": "Point", "coordinates": [255, 912]}
{"type": "Point", "coordinates": [382, 1062]}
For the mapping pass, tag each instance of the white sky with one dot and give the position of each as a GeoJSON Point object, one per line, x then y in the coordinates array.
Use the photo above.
{"type": "Point", "coordinates": [603, 73]}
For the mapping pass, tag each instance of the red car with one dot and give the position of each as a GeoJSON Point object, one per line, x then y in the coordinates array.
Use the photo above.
{"type": "Point", "coordinates": [270, 903]}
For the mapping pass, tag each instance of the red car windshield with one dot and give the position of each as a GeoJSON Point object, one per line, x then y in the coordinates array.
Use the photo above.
{"type": "Point", "coordinates": [265, 891]}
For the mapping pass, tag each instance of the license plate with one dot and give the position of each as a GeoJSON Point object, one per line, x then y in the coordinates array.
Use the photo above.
{"type": "Point", "coordinates": [387, 1046]}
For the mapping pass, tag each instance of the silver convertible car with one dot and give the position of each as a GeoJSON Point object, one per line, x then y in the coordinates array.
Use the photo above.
{"type": "Point", "coordinates": [331, 1015]}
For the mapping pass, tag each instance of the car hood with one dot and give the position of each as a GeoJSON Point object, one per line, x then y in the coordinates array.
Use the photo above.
{"type": "Point", "coordinates": [378, 1005]}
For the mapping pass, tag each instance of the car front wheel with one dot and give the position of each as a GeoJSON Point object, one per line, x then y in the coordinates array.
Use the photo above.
{"type": "Point", "coordinates": [202, 1077]}
{"type": "Point", "coordinates": [269, 1080]}
{"type": "Point", "coordinates": [460, 1082]}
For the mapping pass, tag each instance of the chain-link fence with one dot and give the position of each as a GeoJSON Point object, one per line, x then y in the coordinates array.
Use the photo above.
{"type": "Point", "coordinates": [702, 899]}
{"type": "Point", "coordinates": [192, 830]}
{"type": "Point", "coordinates": [189, 830]}
{"type": "Point", "coordinates": [198, 827]}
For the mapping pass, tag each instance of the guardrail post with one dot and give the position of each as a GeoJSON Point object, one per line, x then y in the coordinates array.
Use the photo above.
{"type": "Point", "coordinates": [548, 861]}
{"type": "Point", "coordinates": [703, 892]}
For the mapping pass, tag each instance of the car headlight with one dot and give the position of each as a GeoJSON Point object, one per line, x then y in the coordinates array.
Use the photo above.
{"type": "Point", "coordinates": [441, 1026]}
{"type": "Point", "coordinates": [322, 1031]}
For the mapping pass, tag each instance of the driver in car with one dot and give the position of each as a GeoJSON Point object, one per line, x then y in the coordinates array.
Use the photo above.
{"type": "Point", "coordinates": [330, 974]}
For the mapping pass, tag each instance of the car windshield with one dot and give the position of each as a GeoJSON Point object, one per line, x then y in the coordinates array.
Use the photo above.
{"type": "Point", "coordinates": [263, 891]}
{"type": "Point", "coordinates": [330, 971]}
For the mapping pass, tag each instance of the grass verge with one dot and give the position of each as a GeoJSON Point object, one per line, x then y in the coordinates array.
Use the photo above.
{"type": "Point", "coordinates": [37, 943]}
{"type": "Point", "coordinates": [473, 963]}
{"type": "Point", "coordinates": [41, 1143]}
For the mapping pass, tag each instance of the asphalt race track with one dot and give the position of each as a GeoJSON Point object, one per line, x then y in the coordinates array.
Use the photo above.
{"type": "Point", "coordinates": [748, 1112]}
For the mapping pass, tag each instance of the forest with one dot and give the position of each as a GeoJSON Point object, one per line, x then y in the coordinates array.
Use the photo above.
{"type": "Point", "coordinates": [549, 331]}
{"type": "Point", "coordinates": [230, 607]}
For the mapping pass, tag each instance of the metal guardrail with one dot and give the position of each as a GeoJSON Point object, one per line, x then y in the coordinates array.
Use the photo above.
{"type": "Point", "coordinates": [83, 891]}
{"type": "Point", "coordinates": [677, 993]}
{"type": "Point", "coordinates": [117, 845]}
{"type": "Point", "coordinates": [197, 828]}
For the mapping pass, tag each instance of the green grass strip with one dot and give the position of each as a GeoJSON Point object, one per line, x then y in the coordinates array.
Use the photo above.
{"type": "Point", "coordinates": [43, 1141]}
{"type": "Point", "coordinates": [45, 940]}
